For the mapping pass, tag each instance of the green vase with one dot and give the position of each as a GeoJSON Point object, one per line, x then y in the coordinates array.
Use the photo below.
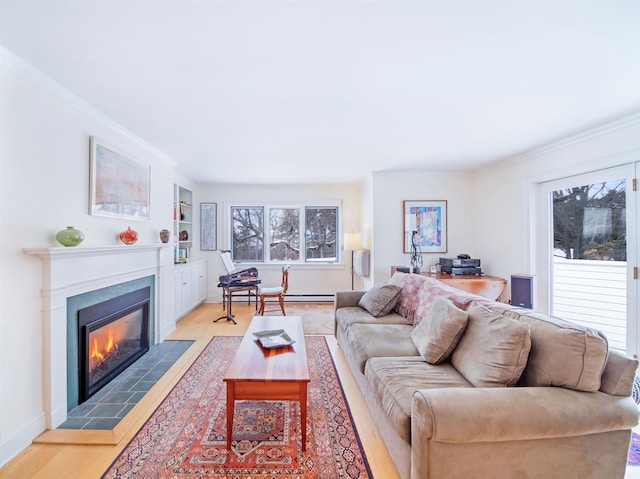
{"type": "Point", "coordinates": [70, 236]}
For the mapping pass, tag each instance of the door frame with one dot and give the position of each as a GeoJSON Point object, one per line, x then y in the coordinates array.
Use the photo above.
{"type": "Point", "coordinates": [542, 241]}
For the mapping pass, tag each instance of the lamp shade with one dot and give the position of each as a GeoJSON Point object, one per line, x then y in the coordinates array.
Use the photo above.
{"type": "Point", "coordinates": [352, 241]}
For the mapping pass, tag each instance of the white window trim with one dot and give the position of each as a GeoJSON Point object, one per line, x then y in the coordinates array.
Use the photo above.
{"type": "Point", "coordinates": [267, 205]}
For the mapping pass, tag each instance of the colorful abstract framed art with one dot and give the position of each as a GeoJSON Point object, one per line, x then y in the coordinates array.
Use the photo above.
{"type": "Point", "coordinates": [425, 223]}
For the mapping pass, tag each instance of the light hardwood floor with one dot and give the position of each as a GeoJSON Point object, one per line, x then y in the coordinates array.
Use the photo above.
{"type": "Point", "coordinates": [57, 458]}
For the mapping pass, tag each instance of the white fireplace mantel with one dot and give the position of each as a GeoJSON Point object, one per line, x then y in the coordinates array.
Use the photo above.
{"type": "Point", "coordinates": [71, 271]}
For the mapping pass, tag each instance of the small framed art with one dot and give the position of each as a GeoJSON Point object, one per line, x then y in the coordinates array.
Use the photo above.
{"type": "Point", "coordinates": [208, 227]}
{"type": "Point", "coordinates": [425, 226]}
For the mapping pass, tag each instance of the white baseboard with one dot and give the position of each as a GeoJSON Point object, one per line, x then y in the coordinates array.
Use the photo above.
{"type": "Point", "coordinates": [303, 298]}
{"type": "Point", "coordinates": [14, 444]}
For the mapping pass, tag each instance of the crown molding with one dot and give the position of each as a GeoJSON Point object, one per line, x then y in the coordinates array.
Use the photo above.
{"type": "Point", "coordinates": [564, 142]}
{"type": "Point", "coordinates": [13, 63]}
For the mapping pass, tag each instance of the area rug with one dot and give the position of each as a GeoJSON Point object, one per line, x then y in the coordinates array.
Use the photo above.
{"type": "Point", "coordinates": [634, 450]}
{"type": "Point", "coordinates": [316, 318]}
{"type": "Point", "coordinates": [185, 438]}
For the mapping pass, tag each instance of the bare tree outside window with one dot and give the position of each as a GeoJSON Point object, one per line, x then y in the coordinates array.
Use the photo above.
{"type": "Point", "coordinates": [282, 239]}
{"type": "Point", "coordinates": [248, 233]}
{"type": "Point", "coordinates": [589, 222]}
{"type": "Point", "coordinates": [321, 229]}
{"type": "Point", "coordinates": [284, 234]}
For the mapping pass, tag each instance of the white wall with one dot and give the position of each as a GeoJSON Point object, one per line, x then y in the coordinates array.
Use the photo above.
{"type": "Point", "coordinates": [367, 223]}
{"type": "Point", "coordinates": [303, 279]}
{"type": "Point", "coordinates": [44, 178]}
{"type": "Point", "coordinates": [390, 189]}
{"type": "Point", "coordinates": [504, 193]}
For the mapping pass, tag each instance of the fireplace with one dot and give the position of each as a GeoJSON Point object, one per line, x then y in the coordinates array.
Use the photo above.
{"type": "Point", "coordinates": [71, 279]}
{"type": "Point", "coordinates": [112, 335]}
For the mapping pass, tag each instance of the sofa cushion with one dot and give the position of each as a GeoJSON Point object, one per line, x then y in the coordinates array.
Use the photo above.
{"type": "Point", "coordinates": [581, 351]}
{"type": "Point", "coordinates": [437, 335]}
{"type": "Point", "coordinates": [355, 314]}
{"type": "Point", "coordinates": [379, 340]}
{"type": "Point", "coordinates": [493, 350]}
{"type": "Point", "coordinates": [380, 300]}
{"type": "Point", "coordinates": [619, 375]}
{"type": "Point", "coordinates": [394, 380]}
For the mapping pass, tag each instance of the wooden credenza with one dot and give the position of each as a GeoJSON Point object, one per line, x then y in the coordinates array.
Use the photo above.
{"type": "Point", "coordinates": [490, 287]}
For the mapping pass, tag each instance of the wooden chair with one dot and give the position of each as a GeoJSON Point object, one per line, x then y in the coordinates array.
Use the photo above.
{"type": "Point", "coordinates": [276, 291]}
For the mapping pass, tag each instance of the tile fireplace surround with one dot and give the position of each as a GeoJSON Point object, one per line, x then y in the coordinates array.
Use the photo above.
{"type": "Point", "coordinates": [68, 272]}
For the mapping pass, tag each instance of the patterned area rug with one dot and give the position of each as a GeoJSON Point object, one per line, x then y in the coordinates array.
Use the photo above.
{"type": "Point", "coordinates": [634, 450]}
{"type": "Point", "coordinates": [316, 318]}
{"type": "Point", "coordinates": [185, 436]}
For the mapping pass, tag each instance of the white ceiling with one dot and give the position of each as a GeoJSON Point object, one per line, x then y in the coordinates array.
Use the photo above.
{"type": "Point", "coordinates": [327, 91]}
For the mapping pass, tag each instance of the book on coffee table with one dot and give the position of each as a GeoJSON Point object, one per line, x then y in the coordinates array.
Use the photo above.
{"type": "Point", "coordinates": [274, 338]}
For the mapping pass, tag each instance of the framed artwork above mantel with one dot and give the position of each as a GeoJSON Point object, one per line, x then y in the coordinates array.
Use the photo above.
{"type": "Point", "coordinates": [425, 223]}
{"type": "Point", "coordinates": [120, 185]}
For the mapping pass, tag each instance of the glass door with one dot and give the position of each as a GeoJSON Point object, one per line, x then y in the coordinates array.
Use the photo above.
{"type": "Point", "coordinates": [591, 253]}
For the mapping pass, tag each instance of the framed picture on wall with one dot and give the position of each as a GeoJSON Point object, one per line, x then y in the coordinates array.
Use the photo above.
{"type": "Point", "coordinates": [208, 226]}
{"type": "Point", "coordinates": [425, 225]}
{"type": "Point", "coordinates": [120, 185]}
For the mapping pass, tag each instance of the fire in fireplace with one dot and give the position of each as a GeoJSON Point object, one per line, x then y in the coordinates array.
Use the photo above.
{"type": "Point", "coordinates": [112, 336]}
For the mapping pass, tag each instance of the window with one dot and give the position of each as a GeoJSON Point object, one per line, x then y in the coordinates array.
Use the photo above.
{"type": "Point", "coordinates": [292, 234]}
{"type": "Point", "coordinates": [284, 231]}
{"type": "Point", "coordinates": [321, 227]}
{"type": "Point", "coordinates": [248, 233]}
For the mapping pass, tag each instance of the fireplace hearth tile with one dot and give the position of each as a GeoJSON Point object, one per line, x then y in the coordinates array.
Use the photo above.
{"type": "Point", "coordinates": [105, 409]}
{"type": "Point", "coordinates": [102, 423]}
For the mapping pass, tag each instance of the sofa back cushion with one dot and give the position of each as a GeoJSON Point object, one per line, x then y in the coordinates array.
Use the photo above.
{"type": "Point", "coordinates": [619, 374]}
{"type": "Point", "coordinates": [438, 333]}
{"type": "Point", "coordinates": [493, 350]}
{"type": "Point", "coordinates": [562, 353]}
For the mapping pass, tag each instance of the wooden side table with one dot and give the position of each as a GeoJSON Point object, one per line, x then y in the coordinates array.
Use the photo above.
{"type": "Point", "coordinates": [490, 287]}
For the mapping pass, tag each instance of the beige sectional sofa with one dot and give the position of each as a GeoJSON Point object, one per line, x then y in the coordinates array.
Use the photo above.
{"type": "Point", "coordinates": [463, 387]}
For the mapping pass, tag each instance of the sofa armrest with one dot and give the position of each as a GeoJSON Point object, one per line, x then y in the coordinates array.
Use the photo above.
{"type": "Point", "coordinates": [345, 299]}
{"type": "Point", "coordinates": [464, 415]}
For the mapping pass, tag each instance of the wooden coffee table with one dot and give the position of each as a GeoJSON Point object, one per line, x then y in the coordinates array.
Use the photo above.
{"type": "Point", "coordinates": [257, 373]}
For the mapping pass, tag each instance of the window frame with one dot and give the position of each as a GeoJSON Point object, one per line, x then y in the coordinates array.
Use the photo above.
{"type": "Point", "coordinates": [302, 207]}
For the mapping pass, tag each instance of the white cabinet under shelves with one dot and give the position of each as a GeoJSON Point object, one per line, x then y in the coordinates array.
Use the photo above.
{"type": "Point", "coordinates": [190, 286]}
{"type": "Point", "coordinates": [182, 223]}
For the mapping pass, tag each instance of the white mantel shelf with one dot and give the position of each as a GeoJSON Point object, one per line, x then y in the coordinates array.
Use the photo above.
{"type": "Point", "coordinates": [93, 250]}
{"type": "Point", "coordinates": [68, 271]}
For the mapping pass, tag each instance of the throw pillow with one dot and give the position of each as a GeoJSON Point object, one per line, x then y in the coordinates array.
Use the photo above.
{"type": "Point", "coordinates": [437, 335]}
{"type": "Point", "coordinates": [379, 300]}
{"type": "Point", "coordinates": [397, 279]}
{"type": "Point", "coordinates": [493, 350]}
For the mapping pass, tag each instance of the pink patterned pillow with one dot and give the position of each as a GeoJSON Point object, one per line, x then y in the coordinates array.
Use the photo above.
{"type": "Point", "coordinates": [429, 292]}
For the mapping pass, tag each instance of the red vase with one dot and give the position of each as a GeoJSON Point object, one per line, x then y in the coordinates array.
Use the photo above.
{"type": "Point", "coordinates": [129, 236]}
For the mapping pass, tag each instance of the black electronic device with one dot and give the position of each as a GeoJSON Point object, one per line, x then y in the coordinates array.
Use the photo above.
{"type": "Point", "coordinates": [239, 276]}
{"type": "Point", "coordinates": [453, 270]}
{"type": "Point", "coordinates": [407, 269]}
{"type": "Point", "coordinates": [522, 290]}
{"type": "Point", "coordinates": [234, 275]}
{"type": "Point", "coordinates": [459, 262]}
